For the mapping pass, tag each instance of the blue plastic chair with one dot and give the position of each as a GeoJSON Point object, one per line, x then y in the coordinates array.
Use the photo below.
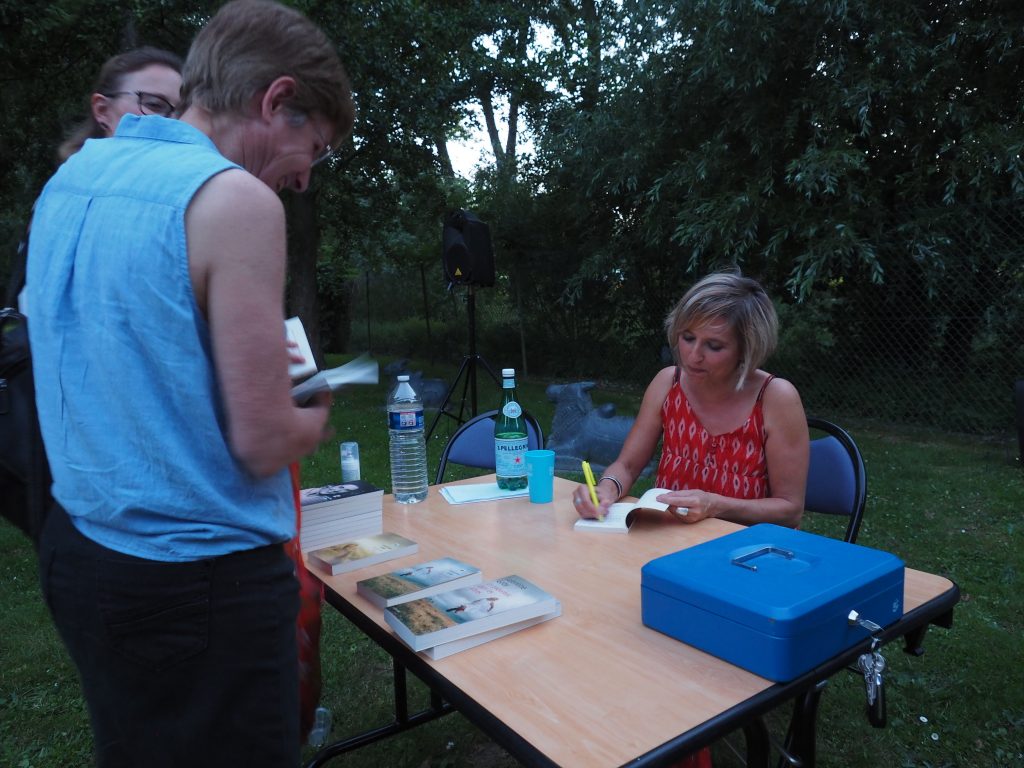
{"type": "Point", "coordinates": [472, 445]}
{"type": "Point", "coordinates": [837, 484]}
{"type": "Point", "coordinates": [836, 478]}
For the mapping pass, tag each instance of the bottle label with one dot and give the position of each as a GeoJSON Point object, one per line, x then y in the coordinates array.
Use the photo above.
{"type": "Point", "coordinates": [511, 410]}
{"type": "Point", "coordinates": [509, 456]}
{"type": "Point", "coordinates": [405, 419]}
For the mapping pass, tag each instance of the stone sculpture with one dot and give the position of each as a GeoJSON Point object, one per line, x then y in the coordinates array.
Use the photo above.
{"type": "Point", "coordinates": [579, 430]}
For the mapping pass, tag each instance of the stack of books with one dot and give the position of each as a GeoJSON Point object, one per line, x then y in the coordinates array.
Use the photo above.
{"type": "Point", "coordinates": [457, 619]}
{"type": "Point", "coordinates": [341, 512]}
{"type": "Point", "coordinates": [358, 553]}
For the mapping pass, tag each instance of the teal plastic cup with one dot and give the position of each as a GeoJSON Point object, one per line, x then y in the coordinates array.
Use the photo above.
{"type": "Point", "coordinates": [540, 475]}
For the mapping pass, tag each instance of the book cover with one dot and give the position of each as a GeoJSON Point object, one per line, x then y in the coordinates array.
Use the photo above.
{"type": "Point", "coordinates": [621, 514]}
{"type": "Point", "coordinates": [359, 553]}
{"type": "Point", "coordinates": [362, 370]}
{"type": "Point", "coordinates": [467, 611]}
{"type": "Point", "coordinates": [416, 581]}
{"type": "Point", "coordinates": [336, 493]}
{"type": "Point", "coordinates": [296, 333]}
{"type": "Point", "coordinates": [447, 649]}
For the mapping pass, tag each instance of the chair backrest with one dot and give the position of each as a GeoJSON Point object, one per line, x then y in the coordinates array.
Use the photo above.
{"type": "Point", "coordinates": [472, 445]}
{"type": "Point", "coordinates": [837, 482]}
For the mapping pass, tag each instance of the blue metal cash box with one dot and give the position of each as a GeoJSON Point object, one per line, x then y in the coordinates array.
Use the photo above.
{"type": "Point", "coordinates": [772, 600]}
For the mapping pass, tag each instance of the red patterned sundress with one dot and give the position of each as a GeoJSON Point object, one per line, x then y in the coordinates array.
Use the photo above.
{"type": "Point", "coordinates": [731, 464]}
{"type": "Point", "coordinates": [307, 625]}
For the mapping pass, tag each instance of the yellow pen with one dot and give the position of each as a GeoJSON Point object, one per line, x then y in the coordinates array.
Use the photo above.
{"type": "Point", "coordinates": [588, 473]}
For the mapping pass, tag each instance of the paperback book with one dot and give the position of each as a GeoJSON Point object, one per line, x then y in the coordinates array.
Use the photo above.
{"type": "Point", "coordinates": [296, 334]}
{"type": "Point", "coordinates": [416, 581]}
{"type": "Point", "coordinates": [621, 514]}
{"type": "Point", "coordinates": [468, 611]}
{"type": "Point", "coordinates": [348, 529]}
{"type": "Point", "coordinates": [447, 649]}
{"type": "Point", "coordinates": [359, 553]}
{"type": "Point", "coordinates": [336, 495]}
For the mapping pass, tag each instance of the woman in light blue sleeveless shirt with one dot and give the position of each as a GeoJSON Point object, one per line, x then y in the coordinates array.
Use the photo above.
{"type": "Point", "coordinates": [126, 388]}
{"type": "Point", "coordinates": [155, 279]}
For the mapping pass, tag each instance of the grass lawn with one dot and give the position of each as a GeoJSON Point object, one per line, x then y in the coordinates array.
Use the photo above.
{"type": "Point", "coordinates": [944, 504]}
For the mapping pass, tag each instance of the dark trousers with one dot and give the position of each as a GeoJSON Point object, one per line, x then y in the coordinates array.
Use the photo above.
{"type": "Point", "coordinates": [182, 664]}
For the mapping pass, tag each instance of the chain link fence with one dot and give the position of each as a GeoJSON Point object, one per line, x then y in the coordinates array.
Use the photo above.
{"type": "Point", "coordinates": [938, 344]}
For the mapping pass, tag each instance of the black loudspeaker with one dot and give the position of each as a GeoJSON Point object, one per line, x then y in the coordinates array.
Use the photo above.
{"type": "Point", "coordinates": [466, 250]}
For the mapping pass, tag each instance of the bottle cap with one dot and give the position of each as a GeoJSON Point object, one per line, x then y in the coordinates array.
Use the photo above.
{"type": "Point", "coordinates": [403, 377]}
{"type": "Point", "coordinates": [508, 372]}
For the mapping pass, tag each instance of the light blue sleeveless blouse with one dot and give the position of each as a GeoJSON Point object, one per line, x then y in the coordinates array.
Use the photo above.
{"type": "Point", "coordinates": [131, 414]}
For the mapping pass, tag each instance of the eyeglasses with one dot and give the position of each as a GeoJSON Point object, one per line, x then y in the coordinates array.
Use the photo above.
{"type": "Point", "coordinates": [300, 118]}
{"type": "Point", "coordinates": [326, 152]}
{"type": "Point", "coordinates": [149, 103]}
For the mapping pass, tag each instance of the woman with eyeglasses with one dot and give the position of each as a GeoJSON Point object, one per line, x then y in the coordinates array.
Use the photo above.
{"type": "Point", "coordinates": [143, 81]}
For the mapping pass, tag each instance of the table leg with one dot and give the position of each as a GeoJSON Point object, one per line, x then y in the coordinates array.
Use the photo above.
{"type": "Point", "coordinates": [801, 742]}
{"type": "Point", "coordinates": [403, 720]}
{"type": "Point", "coordinates": [758, 744]}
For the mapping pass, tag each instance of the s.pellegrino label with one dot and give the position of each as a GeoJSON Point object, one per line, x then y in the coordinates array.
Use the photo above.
{"type": "Point", "coordinates": [510, 437]}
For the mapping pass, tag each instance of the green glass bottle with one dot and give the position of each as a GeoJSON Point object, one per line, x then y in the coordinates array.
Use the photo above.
{"type": "Point", "coordinates": [510, 440]}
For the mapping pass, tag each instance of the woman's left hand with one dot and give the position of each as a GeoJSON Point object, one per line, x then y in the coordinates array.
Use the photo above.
{"type": "Point", "coordinates": [690, 506]}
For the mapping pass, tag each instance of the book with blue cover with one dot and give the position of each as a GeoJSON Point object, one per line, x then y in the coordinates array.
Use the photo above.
{"type": "Point", "coordinates": [418, 580]}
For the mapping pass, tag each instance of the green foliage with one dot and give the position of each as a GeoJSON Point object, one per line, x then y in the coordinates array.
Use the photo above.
{"type": "Point", "coordinates": [49, 55]}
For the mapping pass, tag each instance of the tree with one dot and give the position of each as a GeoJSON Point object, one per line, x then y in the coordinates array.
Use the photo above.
{"type": "Point", "coordinates": [49, 55]}
{"type": "Point", "coordinates": [775, 136]}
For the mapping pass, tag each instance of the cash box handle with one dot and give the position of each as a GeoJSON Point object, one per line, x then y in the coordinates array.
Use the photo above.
{"type": "Point", "coordinates": [769, 550]}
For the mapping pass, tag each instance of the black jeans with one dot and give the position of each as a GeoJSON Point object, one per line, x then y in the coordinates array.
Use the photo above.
{"type": "Point", "coordinates": [182, 664]}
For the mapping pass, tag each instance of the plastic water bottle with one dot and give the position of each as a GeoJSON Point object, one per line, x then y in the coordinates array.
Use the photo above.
{"type": "Point", "coordinates": [408, 448]}
{"type": "Point", "coordinates": [321, 727]}
{"type": "Point", "coordinates": [510, 439]}
{"type": "Point", "coordinates": [349, 462]}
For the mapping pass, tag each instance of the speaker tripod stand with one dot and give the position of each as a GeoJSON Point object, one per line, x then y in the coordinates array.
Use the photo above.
{"type": "Point", "coordinates": [466, 374]}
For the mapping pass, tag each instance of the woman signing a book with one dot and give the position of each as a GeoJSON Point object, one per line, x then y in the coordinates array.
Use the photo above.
{"type": "Point", "coordinates": [735, 440]}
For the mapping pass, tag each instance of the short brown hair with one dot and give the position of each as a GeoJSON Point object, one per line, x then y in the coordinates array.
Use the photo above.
{"type": "Point", "coordinates": [108, 81]}
{"type": "Point", "coordinates": [250, 43]}
{"type": "Point", "coordinates": [741, 302]}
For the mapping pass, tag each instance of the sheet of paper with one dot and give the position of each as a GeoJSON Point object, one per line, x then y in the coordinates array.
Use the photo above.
{"type": "Point", "coordinates": [467, 494]}
{"type": "Point", "coordinates": [362, 370]}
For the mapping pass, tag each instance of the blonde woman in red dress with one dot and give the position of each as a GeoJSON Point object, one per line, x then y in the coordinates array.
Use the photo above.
{"type": "Point", "coordinates": [734, 438]}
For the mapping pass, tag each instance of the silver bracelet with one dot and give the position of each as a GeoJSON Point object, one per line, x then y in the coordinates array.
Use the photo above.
{"type": "Point", "coordinates": [615, 480]}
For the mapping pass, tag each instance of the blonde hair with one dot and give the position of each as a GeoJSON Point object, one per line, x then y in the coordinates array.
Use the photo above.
{"type": "Point", "coordinates": [109, 80]}
{"type": "Point", "coordinates": [250, 43]}
{"type": "Point", "coordinates": [742, 303]}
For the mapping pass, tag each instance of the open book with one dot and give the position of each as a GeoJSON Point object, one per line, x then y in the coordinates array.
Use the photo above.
{"type": "Point", "coordinates": [362, 370]}
{"type": "Point", "coordinates": [621, 514]}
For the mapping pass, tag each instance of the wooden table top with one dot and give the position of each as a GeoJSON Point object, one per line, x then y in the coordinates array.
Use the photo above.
{"type": "Point", "coordinates": [595, 686]}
